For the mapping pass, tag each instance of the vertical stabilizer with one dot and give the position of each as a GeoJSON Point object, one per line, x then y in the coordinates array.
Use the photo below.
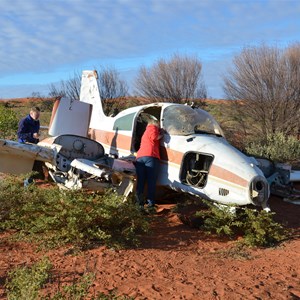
{"type": "Point", "coordinates": [89, 93]}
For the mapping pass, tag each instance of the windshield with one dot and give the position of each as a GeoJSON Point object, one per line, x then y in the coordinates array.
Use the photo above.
{"type": "Point", "coordinates": [185, 120]}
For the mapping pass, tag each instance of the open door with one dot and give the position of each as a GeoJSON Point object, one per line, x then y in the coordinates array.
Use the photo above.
{"type": "Point", "coordinates": [141, 124]}
{"type": "Point", "coordinates": [70, 117]}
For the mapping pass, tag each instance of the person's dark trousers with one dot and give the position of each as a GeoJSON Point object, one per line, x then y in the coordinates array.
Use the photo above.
{"type": "Point", "coordinates": [38, 167]}
{"type": "Point", "coordinates": [147, 171]}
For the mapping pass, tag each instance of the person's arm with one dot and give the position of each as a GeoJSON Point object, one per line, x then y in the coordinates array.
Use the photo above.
{"type": "Point", "coordinates": [36, 134]}
{"type": "Point", "coordinates": [158, 133]}
{"type": "Point", "coordinates": [161, 133]}
{"type": "Point", "coordinates": [38, 128]}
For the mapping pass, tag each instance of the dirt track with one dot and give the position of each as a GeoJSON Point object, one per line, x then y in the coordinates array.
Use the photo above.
{"type": "Point", "coordinates": [178, 262]}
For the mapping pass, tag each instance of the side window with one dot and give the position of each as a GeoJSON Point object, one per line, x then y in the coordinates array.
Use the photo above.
{"type": "Point", "coordinates": [124, 123]}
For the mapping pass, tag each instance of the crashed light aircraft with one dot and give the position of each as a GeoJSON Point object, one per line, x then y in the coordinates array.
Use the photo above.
{"type": "Point", "coordinates": [87, 149]}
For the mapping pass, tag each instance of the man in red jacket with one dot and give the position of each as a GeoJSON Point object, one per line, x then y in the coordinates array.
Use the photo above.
{"type": "Point", "coordinates": [147, 163]}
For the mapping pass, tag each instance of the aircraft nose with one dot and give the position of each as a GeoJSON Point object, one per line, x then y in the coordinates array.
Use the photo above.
{"type": "Point", "coordinates": [259, 190]}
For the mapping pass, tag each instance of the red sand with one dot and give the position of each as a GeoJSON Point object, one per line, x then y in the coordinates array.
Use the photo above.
{"type": "Point", "coordinates": [176, 261]}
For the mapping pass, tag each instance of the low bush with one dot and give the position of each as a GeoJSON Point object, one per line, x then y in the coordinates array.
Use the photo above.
{"type": "Point", "coordinates": [24, 283]}
{"type": "Point", "coordinates": [54, 218]}
{"type": "Point", "coordinates": [277, 147]}
{"type": "Point", "coordinates": [8, 123]}
{"type": "Point", "coordinates": [257, 228]}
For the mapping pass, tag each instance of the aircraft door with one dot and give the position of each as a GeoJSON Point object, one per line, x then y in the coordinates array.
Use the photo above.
{"type": "Point", "coordinates": [141, 124]}
{"type": "Point", "coordinates": [70, 117]}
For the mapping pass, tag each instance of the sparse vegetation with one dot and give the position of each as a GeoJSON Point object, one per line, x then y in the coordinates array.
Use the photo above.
{"type": "Point", "coordinates": [53, 218]}
{"type": "Point", "coordinates": [8, 122]}
{"type": "Point", "coordinates": [176, 80]}
{"type": "Point", "coordinates": [77, 290]}
{"type": "Point", "coordinates": [27, 283]}
{"type": "Point", "coordinates": [257, 228]}
{"type": "Point", "coordinates": [111, 86]}
{"type": "Point", "coordinates": [238, 251]}
{"type": "Point", "coordinates": [24, 283]}
{"type": "Point", "coordinates": [277, 147]}
{"type": "Point", "coordinates": [265, 88]}
{"type": "Point", "coordinates": [80, 289]}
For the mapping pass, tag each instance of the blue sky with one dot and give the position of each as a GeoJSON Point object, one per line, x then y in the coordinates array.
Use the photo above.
{"type": "Point", "coordinates": [46, 41]}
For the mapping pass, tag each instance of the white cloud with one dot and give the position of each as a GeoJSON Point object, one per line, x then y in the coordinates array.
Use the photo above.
{"type": "Point", "coordinates": [46, 36]}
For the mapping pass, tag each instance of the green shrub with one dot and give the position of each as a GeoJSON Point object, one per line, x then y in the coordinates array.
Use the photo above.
{"type": "Point", "coordinates": [260, 229]}
{"type": "Point", "coordinates": [54, 218]}
{"type": "Point", "coordinates": [24, 283]}
{"type": "Point", "coordinates": [8, 123]}
{"type": "Point", "coordinates": [277, 147]}
{"type": "Point", "coordinates": [219, 220]}
{"type": "Point", "coordinates": [46, 105]}
{"type": "Point", "coordinates": [256, 227]}
{"type": "Point", "coordinates": [8, 187]}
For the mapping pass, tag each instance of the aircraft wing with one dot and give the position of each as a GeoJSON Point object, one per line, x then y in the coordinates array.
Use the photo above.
{"type": "Point", "coordinates": [68, 172]}
{"type": "Point", "coordinates": [18, 158]}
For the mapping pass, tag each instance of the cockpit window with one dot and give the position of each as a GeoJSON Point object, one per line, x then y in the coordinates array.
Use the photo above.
{"type": "Point", "coordinates": [185, 120]}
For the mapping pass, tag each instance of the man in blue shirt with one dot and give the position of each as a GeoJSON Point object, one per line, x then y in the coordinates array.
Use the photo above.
{"type": "Point", "coordinates": [28, 130]}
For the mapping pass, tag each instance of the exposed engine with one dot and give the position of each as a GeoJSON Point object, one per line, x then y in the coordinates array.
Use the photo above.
{"type": "Point", "coordinates": [194, 169]}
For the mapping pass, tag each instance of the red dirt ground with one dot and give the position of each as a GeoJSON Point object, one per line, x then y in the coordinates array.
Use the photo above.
{"type": "Point", "coordinates": [176, 261]}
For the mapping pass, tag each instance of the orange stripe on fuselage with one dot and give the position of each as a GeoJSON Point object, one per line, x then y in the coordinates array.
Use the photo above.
{"type": "Point", "coordinates": [171, 155]}
{"type": "Point", "coordinates": [227, 175]}
{"type": "Point", "coordinates": [112, 139]}
{"type": "Point", "coordinates": [123, 142]}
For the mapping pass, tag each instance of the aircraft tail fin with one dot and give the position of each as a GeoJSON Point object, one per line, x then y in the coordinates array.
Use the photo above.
{"type": "Point", "coordinates": [89, 93]}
